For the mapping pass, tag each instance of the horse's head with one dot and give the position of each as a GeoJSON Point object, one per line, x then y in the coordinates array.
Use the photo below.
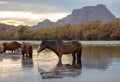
{"type": "Point", "coordinates": [41, 47]}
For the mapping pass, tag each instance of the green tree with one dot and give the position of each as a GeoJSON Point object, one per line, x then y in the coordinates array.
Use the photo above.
{"type": "Point", "coordinates": [21, 29]}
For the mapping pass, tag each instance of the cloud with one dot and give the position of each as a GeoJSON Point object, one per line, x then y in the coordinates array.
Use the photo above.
{"type": "Point", "coordinates": [3, 2]}
{"type": "Point", "coordinates": [37, 10]}
{"type": "Point", "coordinates": [15, 22]}
{"type": "Point", "coordinates": [11, 17]}
{"type": "Point", "coordinates": [13, 12]}
{"type": "Point", "coordinates": [31, 7]}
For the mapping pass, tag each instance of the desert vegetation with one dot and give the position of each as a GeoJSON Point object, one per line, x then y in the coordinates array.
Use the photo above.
{"type": "Point", "coordinates": [95, 30]}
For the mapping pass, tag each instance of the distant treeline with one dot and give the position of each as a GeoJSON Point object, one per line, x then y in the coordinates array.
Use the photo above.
{"type": "Point", "coordinates": [95, 30]}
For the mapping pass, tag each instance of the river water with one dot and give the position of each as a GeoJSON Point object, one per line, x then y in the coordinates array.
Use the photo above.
{"type": "Point", "coordinates": [100, 63]}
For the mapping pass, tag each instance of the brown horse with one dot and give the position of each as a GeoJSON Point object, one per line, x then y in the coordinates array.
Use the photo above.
{"type": "Point", "coordinates": [1, 48]}
{"type": "Point", "coordinates": [60, 48]}
{"type": "Point", "coordinates": [27, 50]}
{"type": "Point", "coordinates": [11, 46]}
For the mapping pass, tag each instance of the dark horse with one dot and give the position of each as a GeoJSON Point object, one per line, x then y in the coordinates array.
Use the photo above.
{"type": "Point", "coordinates": [60, 48]}
{"type": "Point", "coordinates": [11, 46]}
{"type": "Point", "coordinates": [27, 50]}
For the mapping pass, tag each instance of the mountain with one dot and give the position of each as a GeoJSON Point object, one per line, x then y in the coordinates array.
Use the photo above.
{"type": "Point", "coordinates": [45, 23]}
{"type": "Point", "coordinates": [5, 26]}
{"type": "Point", "coordinates": [86, 14]}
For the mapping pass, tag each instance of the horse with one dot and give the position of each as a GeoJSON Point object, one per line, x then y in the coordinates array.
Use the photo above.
{"type": "Point", "coordinates": [27, 50]}
{"type": "Point", "coordinates": [60, 47]}
{"type": "Point", "coordinates": [1, 48]}
{"type": "Point", "coordinates": [11, 46]}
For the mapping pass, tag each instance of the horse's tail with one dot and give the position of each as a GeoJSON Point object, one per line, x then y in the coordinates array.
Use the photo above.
{"type": "Point", "coordinates": [30, 51]}
{"type": "Point", "coordinates": [80, 51]}
{"type": "Point", "coordinates": [79, 54]}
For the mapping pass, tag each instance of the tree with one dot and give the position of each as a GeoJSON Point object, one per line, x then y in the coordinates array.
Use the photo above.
{"type": "Point", "coordinates": [90, 30]}
{"type": "Point", "coordinates": [21, 29]}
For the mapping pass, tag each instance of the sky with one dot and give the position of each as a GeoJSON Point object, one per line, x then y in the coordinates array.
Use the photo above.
{"type": "Point", "coordinates": [30, 12]}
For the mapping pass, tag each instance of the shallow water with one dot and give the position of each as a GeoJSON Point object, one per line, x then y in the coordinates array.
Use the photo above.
{"type": "Point", "coordinates": [99, 64]}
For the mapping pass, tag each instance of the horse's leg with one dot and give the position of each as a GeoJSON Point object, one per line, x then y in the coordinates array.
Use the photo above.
{"type": "Point", "coordinates": [30, 55]}
{"type": "Point", "coordinates": [23, 55]}
{"type": "Point", "coordinates": [79, 58]}
{"type": "Point", "coordinates": [12, 51]}
{"type": "Point", "coordinates": [27, 55]}
{"type": "Point", "coordinates": [30, 52]}
{"type": "Point", "coordinates": [74, 59]}
{"type": "Point", "coordinates": [4, 50]}
{"type": "Point", "coordinates": [60, 60]}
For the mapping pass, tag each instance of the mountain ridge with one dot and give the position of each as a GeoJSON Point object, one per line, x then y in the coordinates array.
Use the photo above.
{"type": "Point", "coordinates": [5, 26]}
{"type": "Point", "coordinates": [86, 14]}
{"type": "Point", "coordinates": [78, 16]}
{"type": "Point", "coordinates": [44, 23]}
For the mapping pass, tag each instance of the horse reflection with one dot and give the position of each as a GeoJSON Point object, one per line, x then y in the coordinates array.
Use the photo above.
{"type": "Point", "coordinates": [27, 62]}
{"type": "Point", "coordinates": [65, 70]}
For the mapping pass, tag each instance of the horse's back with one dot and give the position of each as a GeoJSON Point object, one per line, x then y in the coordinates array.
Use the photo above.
{"type": "Point", "coordinates": [15, 44]}
{"type": "Point", "coordinates": [68, 47]}
{"type": "Point", "coordinates": [7, 46]}
{"type": "Point", "coordinates": [76, 43]}
{"type": "Point", "coordinates": [12, 45]}
{"type": "Point", "coordinates": [72, 43]}
{"type": "Point", "coordinates": [25, 47]}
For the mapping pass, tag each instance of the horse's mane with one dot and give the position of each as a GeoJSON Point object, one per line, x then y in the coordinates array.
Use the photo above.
{"type": "Point", "coordinates": [14, 42]}
{"type": "Point", "coordinates": [52, 42]}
